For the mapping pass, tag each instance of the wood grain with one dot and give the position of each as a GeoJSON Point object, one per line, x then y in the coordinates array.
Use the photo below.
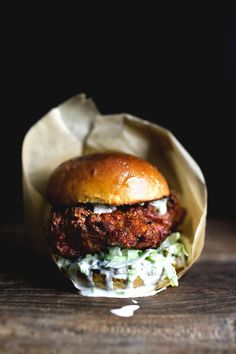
{"type": "Point", "coordinates": [40, 312]}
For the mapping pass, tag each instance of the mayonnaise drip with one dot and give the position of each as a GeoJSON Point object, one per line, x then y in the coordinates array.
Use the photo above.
{"type": "Point", "coordinates": [125, 311]}
{"type": "Point", "coordinates": [103, 208]}
{"type": "Point", "coordinates": [160, 205]}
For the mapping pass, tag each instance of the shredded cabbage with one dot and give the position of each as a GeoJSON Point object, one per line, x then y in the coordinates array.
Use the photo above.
{"type": "Point", "coordinates": [151, 265]}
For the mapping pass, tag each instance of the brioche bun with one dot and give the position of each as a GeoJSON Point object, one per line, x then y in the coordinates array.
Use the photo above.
{"type": "Point", "coordinates": [106, 178]}
{"type": "Point", "coordinates": [99, 281]}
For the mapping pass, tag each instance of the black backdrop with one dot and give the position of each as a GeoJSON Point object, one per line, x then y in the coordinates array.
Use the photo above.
{"type": "Point", "coordinates": [180, 74]}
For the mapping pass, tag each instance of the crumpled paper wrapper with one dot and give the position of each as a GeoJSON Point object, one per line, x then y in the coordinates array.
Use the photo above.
{"type": "Point", "coordinates": [75, 128]}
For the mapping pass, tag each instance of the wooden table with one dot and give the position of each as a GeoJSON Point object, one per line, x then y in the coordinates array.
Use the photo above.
{"type": "Point", "coordinates": [41, 313]}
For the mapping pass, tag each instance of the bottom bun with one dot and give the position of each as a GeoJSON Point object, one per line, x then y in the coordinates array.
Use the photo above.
{"type": "Point", "coordinates": [97, 291]}
{"type": "Point", "coordinates": [128, 273]}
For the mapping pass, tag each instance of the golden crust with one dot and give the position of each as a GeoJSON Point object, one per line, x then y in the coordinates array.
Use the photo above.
{"type": "Point", "coordinates": [106, 178]}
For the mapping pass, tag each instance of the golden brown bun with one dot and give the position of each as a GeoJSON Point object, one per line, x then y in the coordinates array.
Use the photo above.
{"type": "Point", "coordinates": [106, 178]}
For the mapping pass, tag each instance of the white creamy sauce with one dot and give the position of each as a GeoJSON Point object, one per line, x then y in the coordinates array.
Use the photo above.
{"type": "Point", "coordinates": [160, 290]}
{"type": "Point", "coordinates": [134, 301]}
{"type": "Point", "coordinates": [103, 208]}
{"type": "Point", "coordinates": [109, 276]}
{"type": "Point", "coordinates": [141, 291]}
{"type": "Point", "coordinates": [160, 205]}
{"type": "Point", "coordinates": [125, 311]}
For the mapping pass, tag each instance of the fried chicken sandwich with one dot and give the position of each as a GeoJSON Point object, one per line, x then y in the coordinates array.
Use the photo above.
{"type": "Point", "coordinates": [113, 226]}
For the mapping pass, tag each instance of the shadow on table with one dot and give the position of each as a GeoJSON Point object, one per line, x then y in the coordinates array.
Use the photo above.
{"type": "Point", "coordinates": [19, 262]}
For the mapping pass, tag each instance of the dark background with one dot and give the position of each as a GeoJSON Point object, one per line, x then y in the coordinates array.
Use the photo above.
{"type": "Point", "coordinates": [177, 71]}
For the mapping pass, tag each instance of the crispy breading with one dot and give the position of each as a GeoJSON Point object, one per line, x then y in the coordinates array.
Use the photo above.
{"type": "Point", "coordinates": [77, 230]}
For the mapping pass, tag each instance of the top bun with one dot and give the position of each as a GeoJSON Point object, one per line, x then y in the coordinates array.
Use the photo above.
{"type": "Point", "coordinates": [106, 178]}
